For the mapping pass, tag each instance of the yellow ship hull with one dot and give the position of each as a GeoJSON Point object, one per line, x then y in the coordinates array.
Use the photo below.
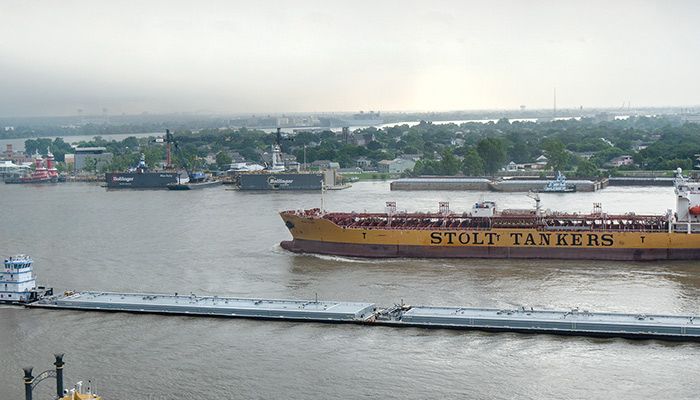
{"type": "Point", "coordinates": [321, 236]}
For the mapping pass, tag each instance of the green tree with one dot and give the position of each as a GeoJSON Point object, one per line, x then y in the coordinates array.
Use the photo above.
{"type": "Point", "coordinates": [90, 164]}
{"type": "Point", "coordinates": [473, 164]}
{"type": "Point", "coordinates": [449, 165]}
{"type": "Point", "coordinates": [427, 167]}
{"type": "Point", "coordinates": [223, 160]}
{"type": "Point", "coordinates": [557, 156]}
{"type": "Point", "coordinates": [493, 152]}
{"type": "Point", "coordinates": [586, 169]}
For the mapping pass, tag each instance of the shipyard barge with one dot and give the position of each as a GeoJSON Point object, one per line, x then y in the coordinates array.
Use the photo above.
{"type": "Point", "coordinates": [485, 232]}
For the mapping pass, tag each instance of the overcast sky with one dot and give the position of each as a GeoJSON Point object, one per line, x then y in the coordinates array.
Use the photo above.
{"type": "Point", "coordinates": [296, 56]}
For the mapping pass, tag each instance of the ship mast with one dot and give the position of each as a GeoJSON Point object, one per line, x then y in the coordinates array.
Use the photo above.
{"type": "Point", "coordinates": [538, 207]}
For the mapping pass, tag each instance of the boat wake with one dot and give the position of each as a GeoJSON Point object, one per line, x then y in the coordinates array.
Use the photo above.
{"type": "Point", "coordinates": [342, 259]}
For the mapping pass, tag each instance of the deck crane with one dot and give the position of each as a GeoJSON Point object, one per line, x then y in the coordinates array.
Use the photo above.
{"type": "Point", "coordinates": [170, 141]}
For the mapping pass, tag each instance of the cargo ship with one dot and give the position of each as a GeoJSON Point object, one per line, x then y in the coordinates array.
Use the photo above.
{"type": "Point", "coordinates": [486, 232]}
{"type": "Point", "coordinates": [141, 178]}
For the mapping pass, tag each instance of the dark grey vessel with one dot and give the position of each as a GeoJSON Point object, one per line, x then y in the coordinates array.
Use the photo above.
{"type": "Point", "coordinates": [280, 181]}
{"type": "Point", "coordinates": [140, 180]}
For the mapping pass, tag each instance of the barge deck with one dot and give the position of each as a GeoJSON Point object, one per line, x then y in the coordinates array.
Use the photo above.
{"type": "Point", "coordinates": [308, 310]}
{"type": "Point", "coordinates": [523, 320]}
{"type": "Point", "coordinates": [573, 322]}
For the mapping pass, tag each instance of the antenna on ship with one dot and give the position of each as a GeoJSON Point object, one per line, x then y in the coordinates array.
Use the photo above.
{"type": "Point", "coordinates": [323, 200]}
{"type": "Point", "coordinates": [536, 197]}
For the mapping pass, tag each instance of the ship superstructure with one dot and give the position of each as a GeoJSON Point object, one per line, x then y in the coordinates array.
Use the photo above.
{"type": "Point", "coordinates": [559, 185]}
{"type": "Point", "coordinates": [489, 233]}
{"type": "Point", "coordinates": [18, 282]}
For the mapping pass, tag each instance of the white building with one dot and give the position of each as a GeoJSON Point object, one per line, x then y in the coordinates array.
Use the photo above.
{"type": "Point", "coordinates": [396, 165]}
{"type": "Point", "coordinates": [621, 160]}
{"type": "Point", "coordinates": [10, 168]}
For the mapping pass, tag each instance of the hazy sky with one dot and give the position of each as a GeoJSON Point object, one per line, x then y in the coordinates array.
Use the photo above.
{"type": "Point", "coordinates": [274, 56]}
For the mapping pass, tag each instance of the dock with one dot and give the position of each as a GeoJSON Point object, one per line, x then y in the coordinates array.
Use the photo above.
{"type": "Point", "coordinates": [523, 320]}
{"type": "Point", "coordinates": [641, 181]}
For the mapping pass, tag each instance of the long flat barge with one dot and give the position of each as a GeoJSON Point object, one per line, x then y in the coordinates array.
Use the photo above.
{"type": "Point", "coordinates": [524, 320]}
{"type": "Point", "coordinates": [573, 322]}
{"type": "Point", "coordinates": [308, 310]}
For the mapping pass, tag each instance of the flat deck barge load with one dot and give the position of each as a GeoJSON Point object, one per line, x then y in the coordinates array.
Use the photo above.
{"type": "Point", "coordinates": [573, 322]}
{"type": "Point", "coordinates": [308, 310]}
{"type": "Point", "coordinates": [523, 320]}
{"type": "Point", "coordinates": [486, 232]}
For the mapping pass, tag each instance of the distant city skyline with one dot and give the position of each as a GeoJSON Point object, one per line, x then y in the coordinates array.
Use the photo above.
{"type": "Point", "coordinates": [231, 57]}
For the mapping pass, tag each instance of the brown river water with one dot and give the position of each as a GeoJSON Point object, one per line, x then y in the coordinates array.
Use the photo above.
{"type": "Point", "coordinates": [225, 242]}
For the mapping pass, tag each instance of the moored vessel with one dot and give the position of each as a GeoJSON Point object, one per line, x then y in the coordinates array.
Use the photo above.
{"type": "Point", "coordinates": [559, 185]}
{"type": "Point", "coordinates": [44, 171]}
{"type": "Point", "coordinates": [140, 178]}
{"type": "Point", "coordinates": [278, 177]}
{"type": "Point", "coordinates": [486, 232]}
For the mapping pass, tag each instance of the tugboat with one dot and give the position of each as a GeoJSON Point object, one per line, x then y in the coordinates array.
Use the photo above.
{"type": "Point", "coordinates": [197, 180]}
{"type": "Point", "coordinates": [44, 171]}
{"type": "Point", "coordinates": [559, 185]}
{"type": "Point", "coordinates": [19, 282]}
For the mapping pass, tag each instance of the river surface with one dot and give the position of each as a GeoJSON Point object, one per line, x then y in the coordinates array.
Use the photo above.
{"type": "Point", "coordinates": [218, 241]}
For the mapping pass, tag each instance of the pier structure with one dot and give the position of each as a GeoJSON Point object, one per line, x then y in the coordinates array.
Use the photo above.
{"type": "Point", "coordinates": [524, 320]}
{"type": "Point", "coordinates": [514, 184]}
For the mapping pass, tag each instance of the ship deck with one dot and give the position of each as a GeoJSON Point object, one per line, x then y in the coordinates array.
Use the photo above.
{"type": "Point", "coordinates": [505, 219]}
{"type": "Point", "coordinates": [523, 320]}
{"type": "Point", "coordinates": [558, 322]}
{"type": "Point", "coordinates": [210, 306]}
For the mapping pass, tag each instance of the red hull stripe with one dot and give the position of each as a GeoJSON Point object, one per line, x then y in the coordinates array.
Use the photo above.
{"type": "Point", "coordinates": [389, 251]}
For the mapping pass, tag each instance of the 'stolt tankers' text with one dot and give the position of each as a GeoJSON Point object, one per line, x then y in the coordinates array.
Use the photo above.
{"type": "Point", "coordinates": [523, 239]}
